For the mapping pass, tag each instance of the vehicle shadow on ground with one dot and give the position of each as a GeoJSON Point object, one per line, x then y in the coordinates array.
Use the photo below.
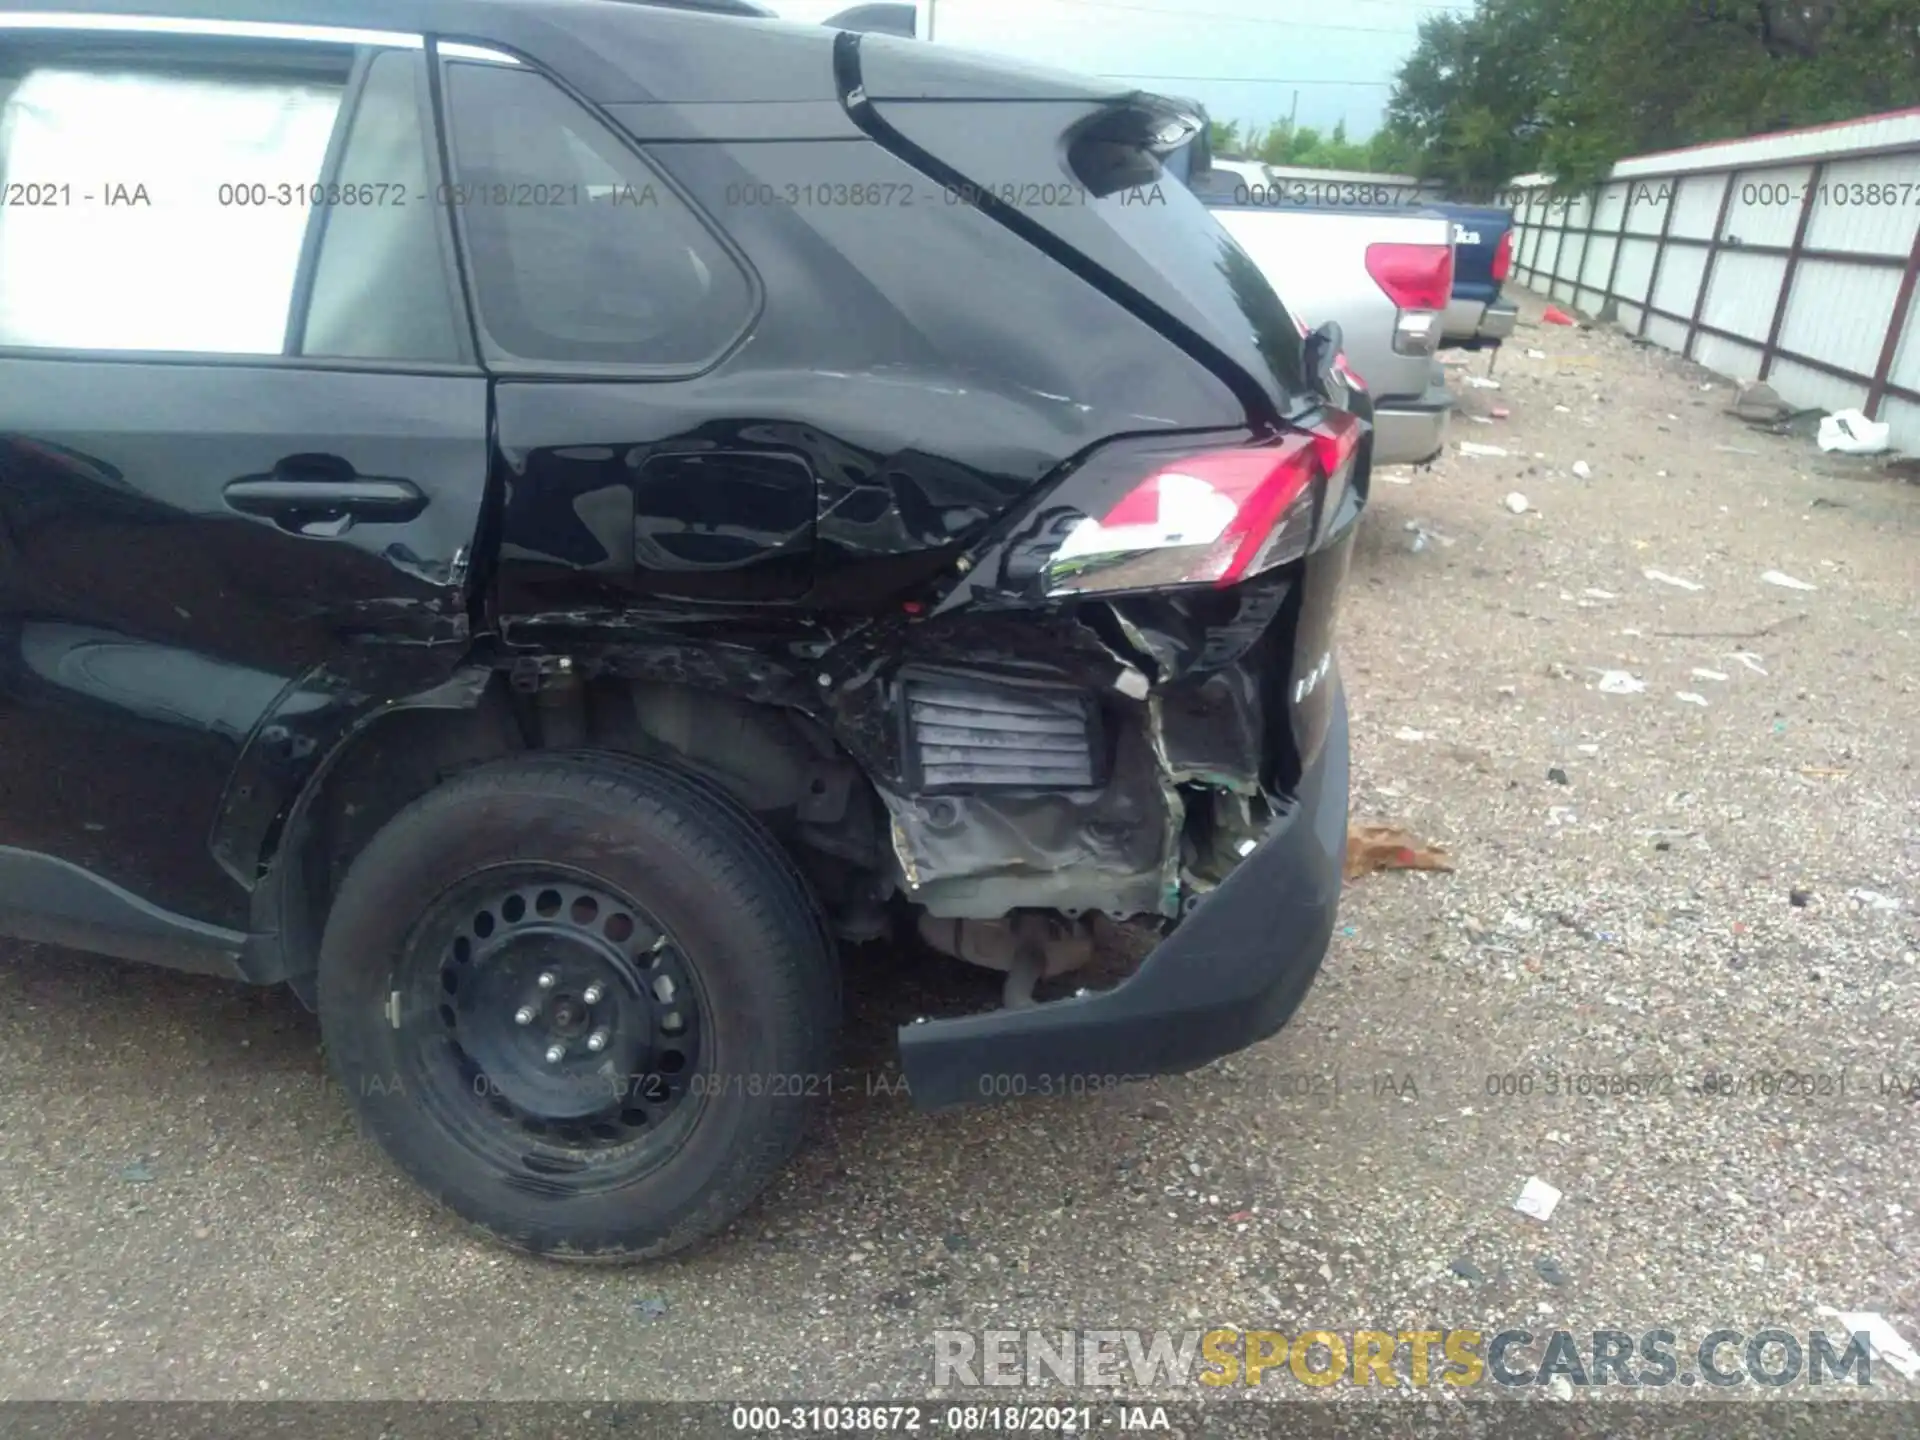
{"type": "Point", "coordinates": [221, 1059]}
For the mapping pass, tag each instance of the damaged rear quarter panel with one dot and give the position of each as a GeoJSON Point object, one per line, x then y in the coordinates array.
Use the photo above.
{"type": "Point", "coordinates": [1182, 752]}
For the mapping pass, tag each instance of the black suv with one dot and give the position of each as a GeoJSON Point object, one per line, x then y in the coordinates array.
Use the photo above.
{"type": "Point", "coordinates": [530, 523]}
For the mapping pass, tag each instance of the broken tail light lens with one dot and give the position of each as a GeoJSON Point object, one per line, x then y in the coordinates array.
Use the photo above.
{"type": "Point", "coordinates": [1503, 258]}
{"type": "Point", "coordinates": [1213, 518]}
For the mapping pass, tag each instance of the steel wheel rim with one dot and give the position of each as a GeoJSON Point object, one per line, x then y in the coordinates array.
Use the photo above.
{"type": "Point", "coordinates": [553, 1025]}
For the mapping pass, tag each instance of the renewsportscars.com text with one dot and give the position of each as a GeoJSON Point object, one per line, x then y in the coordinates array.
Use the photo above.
{"type": "Point", "coordinates": [1247, 1358]}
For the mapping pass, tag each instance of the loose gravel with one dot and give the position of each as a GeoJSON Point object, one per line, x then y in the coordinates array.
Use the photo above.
{"type": "Point", "coordinates": [1712, 871]}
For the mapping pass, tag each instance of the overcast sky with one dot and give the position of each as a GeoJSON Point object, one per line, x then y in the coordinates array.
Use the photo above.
{"type": "Point", "coordinates": [1242, 59]}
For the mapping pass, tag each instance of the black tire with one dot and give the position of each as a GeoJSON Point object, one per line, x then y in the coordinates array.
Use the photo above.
{"type": "Point", "coordinates": [642, 899]}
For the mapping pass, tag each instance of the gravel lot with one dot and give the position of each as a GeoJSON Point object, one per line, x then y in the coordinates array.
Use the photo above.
{"type": "Point", "coordinates": [189, 1213]}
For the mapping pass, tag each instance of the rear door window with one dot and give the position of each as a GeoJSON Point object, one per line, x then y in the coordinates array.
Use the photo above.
{"type": "Point", "coordinates": [131, 239]}
{"type": "Point", "coordinates": [206, 197]}
{"type": "Point", "coordinates": [579, 254]}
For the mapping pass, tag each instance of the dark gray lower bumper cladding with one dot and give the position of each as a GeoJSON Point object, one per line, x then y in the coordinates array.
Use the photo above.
{"type": "Point", "coordinates": [1231, 974]}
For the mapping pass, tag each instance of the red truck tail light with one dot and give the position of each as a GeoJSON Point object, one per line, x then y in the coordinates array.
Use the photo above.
{"type": "Point", "coordinates": [1415, 277]}
{"type": "Point", "coordinates": [1503, 258]}
{"type": "Point", "coordinates": [1419, 280]}
{"type": "Point", "coordinates": [1214, 518]}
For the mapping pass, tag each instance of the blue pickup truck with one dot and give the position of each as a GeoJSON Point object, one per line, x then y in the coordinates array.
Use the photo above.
{"type": "Point", "coordinates": [1482, 260]}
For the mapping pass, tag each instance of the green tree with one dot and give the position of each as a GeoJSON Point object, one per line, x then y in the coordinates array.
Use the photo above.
{"type": "Point", "coordinates": [1470, 104]}
{"type": "Point", "coordinates": [1574, 85]}
{"type": "Point", "coordinates": [1224, 137]}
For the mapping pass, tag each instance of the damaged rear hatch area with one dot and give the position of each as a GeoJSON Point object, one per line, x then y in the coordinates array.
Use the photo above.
{"type": "Point", "coordinates": [1125, 709]}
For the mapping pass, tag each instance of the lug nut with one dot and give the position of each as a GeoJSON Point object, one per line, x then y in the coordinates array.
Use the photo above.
{"type": "Point", "coordinates": [592, 994]}
{"type": "Point", "coordinates": [555, 1054]}
{"type": "Point", "coordinates": [597, 1041]}
{"type": "Point", "coordinates": [546, 980]}
{"type": "Point", "coordinates": [524, 1015]}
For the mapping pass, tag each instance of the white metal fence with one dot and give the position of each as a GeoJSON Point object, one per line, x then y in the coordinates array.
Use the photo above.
{"type": "Point", "coordinates": [1791, 258]}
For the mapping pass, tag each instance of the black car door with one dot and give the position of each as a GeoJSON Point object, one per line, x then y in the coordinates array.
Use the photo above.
{"type": "Point", "coordinates": [243, 439]}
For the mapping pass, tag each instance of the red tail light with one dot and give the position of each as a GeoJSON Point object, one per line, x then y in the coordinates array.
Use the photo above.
{"type": "Point", "coordinates": [1415, 277]}
{"type": "Point", "coordinates": [1503, 258]}
{"type": "Point", "coordinates": [1214, 518]}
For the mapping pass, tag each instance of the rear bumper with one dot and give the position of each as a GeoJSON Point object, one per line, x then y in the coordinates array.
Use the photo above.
{"type": "Point", "coordinates": [1473, 324]}
{"type": "Point", "coordinates": [1412, 431]}
{"type": "Point", "coordinates": [1462, 318]}
{"type": "Point", "coordinates": [1231, 975]}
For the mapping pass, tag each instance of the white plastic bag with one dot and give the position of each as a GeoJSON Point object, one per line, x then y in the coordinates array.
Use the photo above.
{"type": "Point", "coordinates": [1852, 433]}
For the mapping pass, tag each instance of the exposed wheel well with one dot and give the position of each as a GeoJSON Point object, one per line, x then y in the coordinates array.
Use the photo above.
{"type": "Point", "coordinates": [780, 764]}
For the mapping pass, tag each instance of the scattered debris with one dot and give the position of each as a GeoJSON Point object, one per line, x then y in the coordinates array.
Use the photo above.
{"type": "Point", "coordinates": [1563, 409]}
{"type": "Point", "coordinates": [1851, 433]}
{"type": "Point", "coordinates": [1799, 899]}
{"type": "Point", "coordinates": [1759, 403]}
{"type": "Point", "coordinates": [137, 1173]}
{"type": "Point", "coordinates": [1804, 424]}
{"type": "Point", "coordinates": [1750, 660]}
{"type": "Point", "coordinates": [1536, 354]}
{"type": "Point", "coordinates": [1874, 900]}
{"type": "Point", "coordinates": [1485, 452]}
{"type": "Point", "coordinates": [1516, 502]}
{"type": "Point", "coordinates": [650, 1307]}
{"type": "Point", "coordinates": [1690, 697]}
{"type": "Point", "coordinates": [1618, 682]}
{"type": "Point", "coordinates": [1665, 579]}
{"type": "Point", "coordinates": [1466, 1269]}
{"type": "Point", "coordinates": [1558, 776]}
{"type": "Point", "coordinates": [1785, 581]}
{"type": "Point", "coordinates": [1708, 675]}
{"type": "Point", "coordinates": [1735, 450]}
{"type": "Point", "coordinates": [1480, 382]}
{"type": "Point", "coordinates": [1593, 594]}
{"type": "Point", "coordinates": [1537, 1198]}
{"type": "Point", "coordinates": [1885, 1340]}
{"type": "Point", "coordinates": [1824, 772]}
{"type": "Point", "coordinates": [1411, 735]}
{"type": "Point", "coordinates": [1582, 470]}
{"type": "Point", "coordinates": [1549, 1270]}
{"type": "Point", "coordinates": [1371, 848]}
{"type": "Point", "coordinates": [1762, 632]}
{"type": "Point", "coordinates": [1155, 1110]}
{"type": "Point", "coordinates": [1501, 412]}
{"type": "Point", "coordinates": [1478, 420]}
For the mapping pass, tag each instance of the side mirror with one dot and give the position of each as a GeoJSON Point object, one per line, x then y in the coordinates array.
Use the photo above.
{"type": "Point", "coordinates": [1201, 161]}
{"type": "Point", "coordinates": [1322, 352]}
